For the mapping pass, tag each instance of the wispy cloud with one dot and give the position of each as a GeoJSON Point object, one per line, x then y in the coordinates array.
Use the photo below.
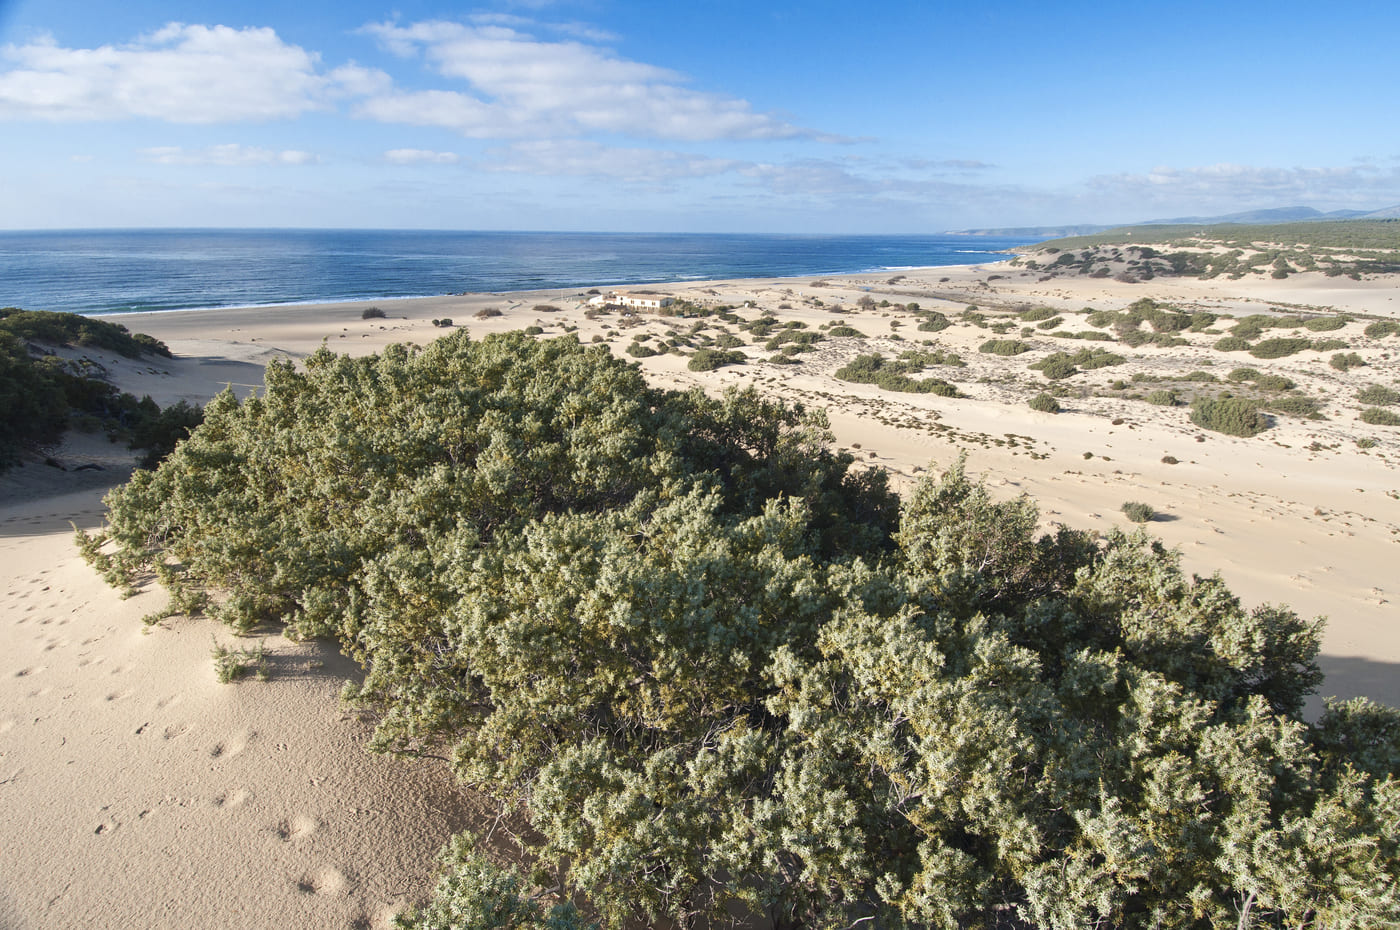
{"type": "Point", "coordinates": [521, 86]}
{"type": "Point", "coordinates": [181, 74]}
{"type": "Point", "coordinates": [227, 156]}
{"type": "Point", "coordinates": [420, 157]}
{"type": "Point", "coordinates": [1232, 186]}
{"type": "Point", "coordinates": [577, 158]}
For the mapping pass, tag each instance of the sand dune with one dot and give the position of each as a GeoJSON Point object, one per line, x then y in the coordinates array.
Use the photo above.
{"type": "Point", "coordinates": [137, 791]}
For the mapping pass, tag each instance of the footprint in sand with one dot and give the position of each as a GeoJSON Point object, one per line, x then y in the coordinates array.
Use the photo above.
{"type": "Point", "coordinates": [233, 799]}
{"type": "Point", "coordinates": [234, 745]}
{"type": "Point", "coordinates": [295, 828]}
{"type": "Point", "coordinates": [328, 881]}
{"type": "Point", "coordinates": [176, 730]}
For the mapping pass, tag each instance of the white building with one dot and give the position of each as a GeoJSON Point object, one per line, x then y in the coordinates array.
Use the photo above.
{"type": "Point", "coordinates": [627, 300]}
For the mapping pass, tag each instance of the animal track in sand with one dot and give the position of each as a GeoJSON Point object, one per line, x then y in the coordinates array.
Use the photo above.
{"type": "Point", "coordinates": [30, 670]}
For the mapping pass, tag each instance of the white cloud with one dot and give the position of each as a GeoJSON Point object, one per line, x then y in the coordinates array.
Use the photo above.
{"type": "Point", "coordinates": [181, 74]}
{"type": "Point", "coordinates": [522, 86]}
{"type": "Point", "coordinates": [591, 159]}
{"type": "Point", "coordinates": [227, 156]}
{"type": "Point", "coordinates": [1235, 187]}
{"type": "Point", "coordinates": [420, 157]}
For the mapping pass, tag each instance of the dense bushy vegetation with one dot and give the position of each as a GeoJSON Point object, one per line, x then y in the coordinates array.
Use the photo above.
{"type": "Point", "coordinates": [895, 375]}
{"type": "Point", "coordinates": [42, 393]}
{"type": "Point", "coordinates": [1234, 416]}
{"type": "Point", "coordinates": [725, 675]}
{"type": "Point", "coordinates": [1003, 347]}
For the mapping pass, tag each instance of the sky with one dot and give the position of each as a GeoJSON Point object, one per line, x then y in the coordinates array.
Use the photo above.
{"type": "Point", "coordinates": [708, 116]}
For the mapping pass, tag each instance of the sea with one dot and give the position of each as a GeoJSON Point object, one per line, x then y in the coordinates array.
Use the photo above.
{"type": "Point", "coordinates": [127, 271]}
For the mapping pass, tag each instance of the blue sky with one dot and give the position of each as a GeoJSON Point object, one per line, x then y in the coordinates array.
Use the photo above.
{"type": "Point", "coordinates": [708, 116]}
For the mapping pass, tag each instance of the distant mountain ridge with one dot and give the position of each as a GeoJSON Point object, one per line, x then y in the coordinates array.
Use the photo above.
{"type": "Point", "coordinates": [1249, 217]}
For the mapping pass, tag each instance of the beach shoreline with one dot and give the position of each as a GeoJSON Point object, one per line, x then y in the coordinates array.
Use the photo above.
{"type": "Point", "coordinates": [147, 794]}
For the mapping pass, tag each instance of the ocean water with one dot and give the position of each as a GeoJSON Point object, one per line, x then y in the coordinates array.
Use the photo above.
{"type": "Point", "coordinates": [116, 271]}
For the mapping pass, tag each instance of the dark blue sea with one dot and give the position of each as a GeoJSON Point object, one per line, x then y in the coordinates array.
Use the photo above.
{"type": "Point", "coordinates": [117, 271]}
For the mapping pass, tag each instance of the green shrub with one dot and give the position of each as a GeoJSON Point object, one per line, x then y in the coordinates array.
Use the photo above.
{"type": "Point", "coordinates": [486, 313]}
{"type": "Point", "coordinates": [1348, 361]}
{"type": "Point", "coordinates": [1162, 398]}
{"type": "Point", "coordinates": [1231, 344]}
{"type": "Point", "coordinates": [1003, 347]}
{"type": "Point", "coordinates": [1233, 416]}
{"type": "Point", "coordinates": [717, 670]}
{"type": "Point", "coordinates": [1383, 328]}
{"type": "Point", "coordinates": [1325, 324]}
{"type": "Point", "coordinates": [845, 331]}
{"type": "Point", "coordinates": [641, 350]}
{"type": "Point", "coordinates": [1138, 512]}
{"type": "Point", "coordinates": [1056, 366]}
{"type": "Point", "coordinates": [474, 893]}
{"type": "Point", "coordinates": [372, 313]}
{"type": "Point", "coordinates": [728, 341]}
{"type": "Point", "coordinates": [933, 322]}
{"type": "Point", "coordinates": [1293, 406]}
{"type": "Point", "coordinates": [1279, 347]}
{"type": "Point", "coordinates": [1378, 395]}
{"type": "Point", "coordinates": [710, 359]}
{"type": "Point", "coordinates": [534, 330]}
{"type": "Point", "coordinates": [1379, 416]}
{"type": "Point", "coordinates": [1044, 403]}
{"type": "Point", "coordinates": [1050, 323]}
{"type": "Point", "coordinates": [1036, 314]}
{"type": "Point", "coordinates": [72, 329]}
{"type": "Point", "coordinates": [1243, 374]}
{"type": "Point", "coordinates": [893, 375]}
{"type": "Point", "coordinates": [1273, 383]}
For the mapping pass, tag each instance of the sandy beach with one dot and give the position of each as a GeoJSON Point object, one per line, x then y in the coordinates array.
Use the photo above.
{"type": "Point", "coordinates": [138, 791]}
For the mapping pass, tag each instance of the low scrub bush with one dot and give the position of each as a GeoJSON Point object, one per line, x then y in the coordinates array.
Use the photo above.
{"type": "Point", "coordinates": [1280, 347]}
{"type": "Point", "coordinates": [1036, 314]}
{"type": "Point", "coordinates": [641, 350]}
{"type": "Point", "coordinates": [1234, 416]}
{"type": "Point", "coordinates": [1231, 344]}
{"type": "Point", "coordinates": [710, 359]}
{"type": "Point", "coordinates": [1162, 398]}
{"type": "Point", "coordinates": [848, 332]}
{"type": "Point", "coordinates": [1378, 395]}
{"type": "Point", "coordinates": [1003, 347]}
{"type": "Point", "coordinates": [1383, 328]}
{"type": "Point", "coordinates": [1056, 367]}
{"type": "Point", "coordinates": [1379, 416]}
{"type": "Point", "coordinates": [1044, 403]}
{"type": "Point", "coordinates": [1325, 324]}
{"type": "Point", "coordinates": [718, 670]}
{"type": "Point", "coordinates": [1347, 361]}
{"type": "Point", "coordinates": [372, 313]}
{"type": "Point", "coordinates": [1138, 512]}
{"type": "Point", "coordinates": [1294, 406]}
{"type": "Point", "coordinates": [893, 376]}
{"type": "Point", "coordinates": [486, 313]}
{"type": "Point", "coordinates": [1243, 374]}
{"type": "Point", "coordinates": [1273, 383]}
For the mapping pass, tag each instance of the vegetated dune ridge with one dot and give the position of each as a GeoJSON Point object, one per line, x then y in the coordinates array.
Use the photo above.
{"type": "Point", "coordinates": [138, 791]}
